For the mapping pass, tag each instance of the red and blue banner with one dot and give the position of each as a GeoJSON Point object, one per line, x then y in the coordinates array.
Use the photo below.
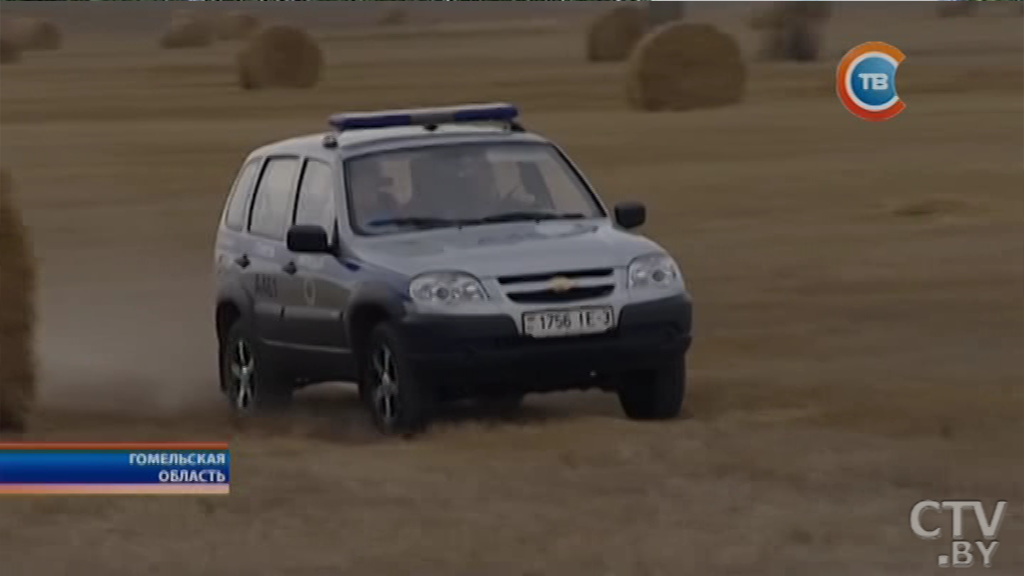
{"type": "Point", "coordinates": [115, 468]}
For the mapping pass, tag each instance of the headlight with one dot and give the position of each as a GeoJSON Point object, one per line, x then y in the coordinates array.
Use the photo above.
{"type": "Point", "coordinates": [654, 271]}
{"type": "Point", "coordinates": [446, 288]}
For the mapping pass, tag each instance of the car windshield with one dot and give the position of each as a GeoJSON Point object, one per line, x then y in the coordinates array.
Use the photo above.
{"type": "Point", "coordinates": [463, 185]}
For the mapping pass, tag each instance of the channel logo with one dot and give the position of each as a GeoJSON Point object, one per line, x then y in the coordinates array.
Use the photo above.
{"type": "Point", "coordinates": [866, 81]}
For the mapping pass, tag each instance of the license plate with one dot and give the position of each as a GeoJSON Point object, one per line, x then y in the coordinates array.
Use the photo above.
{"type": "Point", "coordinates": [572, 322]}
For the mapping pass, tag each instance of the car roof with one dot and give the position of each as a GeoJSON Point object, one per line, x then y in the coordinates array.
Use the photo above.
{"type": "Point", "coordinates": [357, 142]}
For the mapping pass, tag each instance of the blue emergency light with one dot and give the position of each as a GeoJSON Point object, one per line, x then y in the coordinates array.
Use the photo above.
{"type": "Point", "coordinates": [496, 112]}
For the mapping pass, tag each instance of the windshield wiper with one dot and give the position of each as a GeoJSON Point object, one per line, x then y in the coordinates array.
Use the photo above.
{"type": "Point", "coordinates": [523, 216]}
{"type": "Point", "coordinates": [416, 221]}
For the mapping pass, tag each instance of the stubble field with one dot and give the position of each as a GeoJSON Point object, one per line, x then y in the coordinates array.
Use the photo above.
{"type": "Point", "coordinates": [858, 290]}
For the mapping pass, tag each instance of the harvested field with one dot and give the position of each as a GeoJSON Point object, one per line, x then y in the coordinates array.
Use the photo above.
{"type": "Point", "coordinates": [858, 290]}
{"type": "Point", "coordinates": [9, 51]}
{"type": "Point", "coordinates": [185, 32]}
{"type": "Point", "coordinates": [236, 25]}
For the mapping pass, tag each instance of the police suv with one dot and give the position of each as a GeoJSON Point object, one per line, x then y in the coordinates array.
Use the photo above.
{"type": "Point", "coordinates": [431, 255]}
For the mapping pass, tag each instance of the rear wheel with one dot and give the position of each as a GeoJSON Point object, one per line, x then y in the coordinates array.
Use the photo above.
{"type": "Point", "coordinates": [654, 394]}
{"type": "Point", "coordinates": [249, 381]}
{"type": "Point", "coordinates": [400, 403]}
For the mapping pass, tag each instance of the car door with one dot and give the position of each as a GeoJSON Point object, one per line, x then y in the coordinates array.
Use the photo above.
{"type": "Point", "coordinates": [267, 254]}
{"type": "Point", "coordinates": [314, 319]}
{"type": "Point", "coordinates": [233, 246]}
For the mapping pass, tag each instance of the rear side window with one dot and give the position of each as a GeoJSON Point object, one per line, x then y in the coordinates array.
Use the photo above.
{"type": "Point", "coordinates": [271, 209]}
{"type": "Point", "coordinates": [316, 197]}
{"type": "Point", "coordinates": [235, 217]}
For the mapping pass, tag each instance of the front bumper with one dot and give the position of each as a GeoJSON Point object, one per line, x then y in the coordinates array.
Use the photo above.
{"type": "Point", "coordinates": [488, 351]}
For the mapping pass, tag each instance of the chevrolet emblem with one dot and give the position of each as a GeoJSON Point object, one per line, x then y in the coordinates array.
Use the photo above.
{"type": "Point", "coordinates": [562, 284]}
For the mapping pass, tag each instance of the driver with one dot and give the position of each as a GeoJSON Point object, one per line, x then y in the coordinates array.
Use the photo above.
{"type": "Point", "coordinates": [475, 176]}
{"type": "Point", "coordinates": [457, 186]}
{"type": "Point", "coordinates": [372, 196]}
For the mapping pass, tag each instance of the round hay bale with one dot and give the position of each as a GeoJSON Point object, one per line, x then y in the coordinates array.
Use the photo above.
{"type": "Point", "coordinates": [681, 66]}
{"type": "Point", "coordinates": [9, 51]}
{"type": "Point", "coordinates": [612, 35]}
{"type": "Point", "coordinates": [17, 313]}
{"type": "Point", "coordinates": [792, 30]}
{"type": "Point", "coordinates": [236, 25]}
{"type": "Point", "coordinates": [280, 56]}
{"type": "Point", "coordinates": [35, 34]}
{"type": "Point", "coordinates": [190, 15]}
{"type": "Point", "coordinates": [187, 34]}
{"type": "Point", "coordinates": [798, 39]}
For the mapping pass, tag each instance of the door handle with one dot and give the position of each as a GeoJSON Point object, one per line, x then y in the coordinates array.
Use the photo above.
{"type": "Point", "coordinates": [290, 268]}
{"type": "Point", "coordinates": [243, 261]}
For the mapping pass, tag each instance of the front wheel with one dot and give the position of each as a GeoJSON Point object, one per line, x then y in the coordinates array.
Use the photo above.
{"type": "Point", "coordinates": [249, 381]}
{"type": "Point", "coordinates": [654, 394]}
{"type": "Point", "coordinates": [400, 403]}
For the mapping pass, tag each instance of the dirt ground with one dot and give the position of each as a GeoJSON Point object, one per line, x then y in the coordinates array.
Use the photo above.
{"type": "Point", "coordinates": [858, 289]}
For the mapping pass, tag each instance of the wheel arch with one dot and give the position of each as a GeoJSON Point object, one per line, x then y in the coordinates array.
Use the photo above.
{"type": "Point", "coordinates": [227, 315]}
{"type": "Point", "coordinates": [371, 305]}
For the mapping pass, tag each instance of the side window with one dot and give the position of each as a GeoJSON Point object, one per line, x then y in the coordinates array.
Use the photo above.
{"type": "Point", "coordinates": [272, 208]}
{"type": "Point", "coordinates": [316, 196]}
{"type": "Point", "coordinates": [235, 216]}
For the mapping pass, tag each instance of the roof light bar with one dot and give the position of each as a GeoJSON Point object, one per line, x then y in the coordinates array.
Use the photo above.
{"type": "Point", "coordinates": [496, 112]}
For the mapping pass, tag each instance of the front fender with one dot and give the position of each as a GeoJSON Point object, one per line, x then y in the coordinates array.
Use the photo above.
{"type": "Point", "coordinates": [381, 297]}
{"type": "Point", "coordinates": [231, 291]}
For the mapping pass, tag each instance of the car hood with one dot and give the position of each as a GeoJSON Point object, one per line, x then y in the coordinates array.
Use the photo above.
{"type": "Point", "coordinates": [509, 248]}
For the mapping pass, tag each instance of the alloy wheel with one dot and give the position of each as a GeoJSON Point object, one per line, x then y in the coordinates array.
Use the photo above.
{"type": "Point", "coordinates": [385, 387]}
{"type": "Point", "coordinates": [243, 376]}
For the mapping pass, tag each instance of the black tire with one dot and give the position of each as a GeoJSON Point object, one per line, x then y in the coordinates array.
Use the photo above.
{"type": "Point", "coordinates": [654, 394]}
{"type": "Point", "coordinates": [401, 404]}
{"type": "Point", "coordinates": [267, 391]}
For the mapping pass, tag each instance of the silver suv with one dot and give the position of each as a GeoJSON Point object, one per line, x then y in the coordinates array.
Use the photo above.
{"type": "Point", "coordinates": [432, 255]}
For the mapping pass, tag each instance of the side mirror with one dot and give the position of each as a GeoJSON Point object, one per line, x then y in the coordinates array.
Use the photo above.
{"type": "Point", "coordinates": [630, 215]}
{"type": "Point", "coordinates": [308, 239]}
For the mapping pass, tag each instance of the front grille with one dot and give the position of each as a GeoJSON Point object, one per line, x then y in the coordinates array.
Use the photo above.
{"type": "Point", "coordinates": [544, 277]}
{"type": "Point", "coordinates": [571, 295]}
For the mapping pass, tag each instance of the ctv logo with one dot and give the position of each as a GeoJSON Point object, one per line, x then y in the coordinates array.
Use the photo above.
{"type": "Point", "coordinates": [866, 81]}
{"type": "Point", "coordinates": [961, 554]}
